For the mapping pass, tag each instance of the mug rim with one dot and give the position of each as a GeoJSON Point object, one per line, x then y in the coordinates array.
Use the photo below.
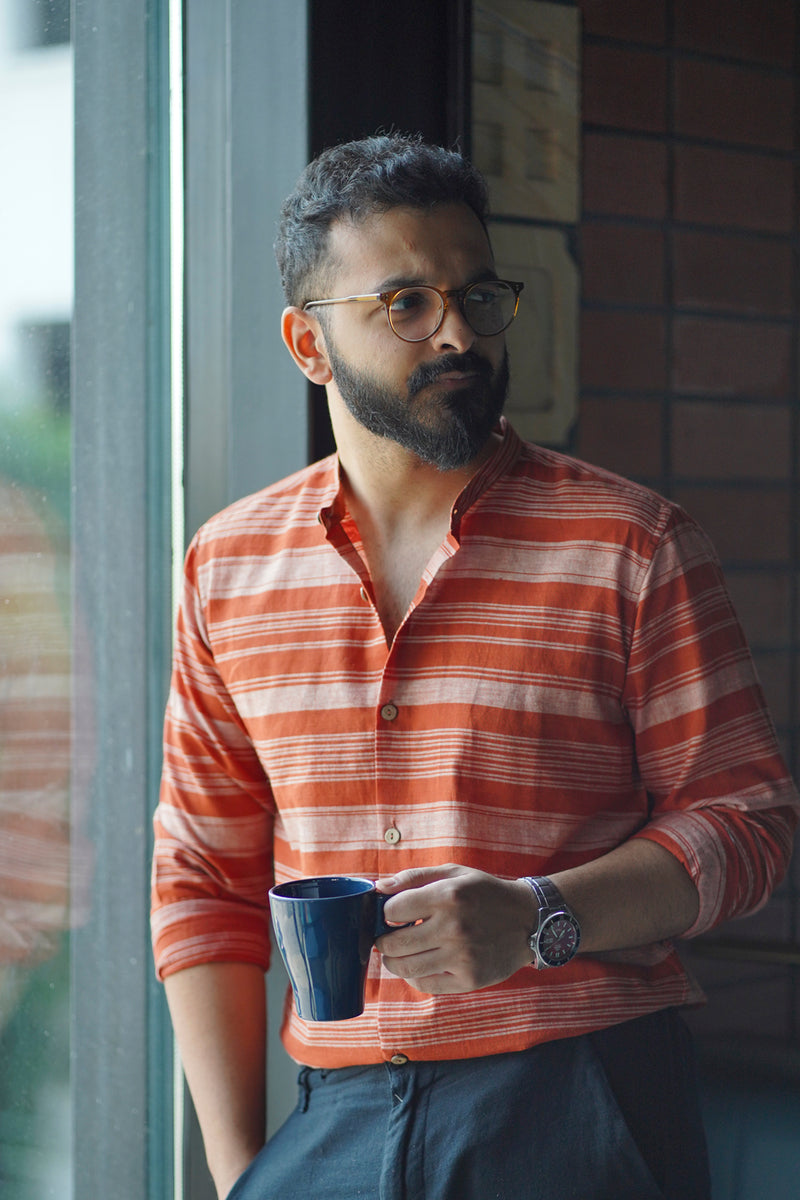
{"type": "Point", "coordinates": [277, 890]}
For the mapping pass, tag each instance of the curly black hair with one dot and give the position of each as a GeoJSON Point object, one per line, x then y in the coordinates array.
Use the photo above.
{"type": "Point", "coordinates": [356, 179]}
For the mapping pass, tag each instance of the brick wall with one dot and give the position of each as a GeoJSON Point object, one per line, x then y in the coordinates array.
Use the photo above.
{"type": "Point", "coordinates": [689, 371]}
{"type": "Point", "coordinates": [689, 363]}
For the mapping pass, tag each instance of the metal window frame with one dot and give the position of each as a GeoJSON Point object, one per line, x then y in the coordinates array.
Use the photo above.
{"type": "Point", "coordinates": [247, 411]}
{"type": "Point", "coordinates": [121, 1057]}
{"type": "Point", "coordinates": [246, 140]}
{"type": "Point", "coordinates": [246, 423]}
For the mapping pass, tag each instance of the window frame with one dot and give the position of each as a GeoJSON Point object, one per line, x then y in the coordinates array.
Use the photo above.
{"type": "Point", "coordinates": [247, 406]}
{"type": "Point", "coordinates": [122, 1142]}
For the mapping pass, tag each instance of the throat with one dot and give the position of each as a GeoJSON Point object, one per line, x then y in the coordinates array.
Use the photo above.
{"type": "Point", "coordinates": [396, 570]}
{"type": "Point", "coordinates": [401, 509]}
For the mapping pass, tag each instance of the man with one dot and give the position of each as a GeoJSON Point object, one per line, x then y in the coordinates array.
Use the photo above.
{"type": "Point", "coordinates": [499, 681]}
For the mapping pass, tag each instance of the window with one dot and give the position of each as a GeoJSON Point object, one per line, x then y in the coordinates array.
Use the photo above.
{"type": "Point", "coordinates": [36, 23]}
{"type": "Point", "coordinates": [91, 524]}
{"type": "Point", "coordinates": [85, 1057]}
{"type": "Point", "coordinates": [36, 617]}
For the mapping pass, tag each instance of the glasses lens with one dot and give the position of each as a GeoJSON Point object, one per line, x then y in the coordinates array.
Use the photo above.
{"type": "Point", "coordinates": [490, 307]}
{"type": "Point", "coordinates": [415, 313]}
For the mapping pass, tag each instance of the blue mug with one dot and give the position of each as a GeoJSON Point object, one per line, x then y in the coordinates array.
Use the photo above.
{"type": "Point", "coordinates": [325, 929]}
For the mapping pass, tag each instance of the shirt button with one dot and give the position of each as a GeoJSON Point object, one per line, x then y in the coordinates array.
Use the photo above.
{"type": "Point", "coordinates": [392, 835]}
{"type": "Point", "coordinates": [389, 712]}
{"type": "Point", "coordinates": [364, 595]}
{"type": "Point", "coordinates": [399, 1060]}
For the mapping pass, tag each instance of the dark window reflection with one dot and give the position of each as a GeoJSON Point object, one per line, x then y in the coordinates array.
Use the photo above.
{"type": "Point", "coordinates": [42, 22]}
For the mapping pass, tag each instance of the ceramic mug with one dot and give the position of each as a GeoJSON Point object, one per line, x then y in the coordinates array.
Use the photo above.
{"type": "Point", "coordinates": [325, 929]}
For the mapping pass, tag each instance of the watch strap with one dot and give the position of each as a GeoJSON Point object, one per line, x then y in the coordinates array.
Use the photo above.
{"type": "Point", "coordinates": [547, 894]}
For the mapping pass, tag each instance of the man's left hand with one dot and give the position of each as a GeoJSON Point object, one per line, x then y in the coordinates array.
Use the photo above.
{"type": "Point", "coordinates": [470, 930]}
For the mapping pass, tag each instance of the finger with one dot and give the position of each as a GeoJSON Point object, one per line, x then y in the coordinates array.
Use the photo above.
{"type": "Point", "coordinates": [418, 892]}
{"type": "Point", "coordinates": [412, 907]}
{"type": "Point", "coordinates": [407, 939]}
{"type": "Point", "coordinates": [435, 984]}
{"type": "Point", "coordinates": [416, 877]}
{"type": "Point", "coordinates": [416, 966]}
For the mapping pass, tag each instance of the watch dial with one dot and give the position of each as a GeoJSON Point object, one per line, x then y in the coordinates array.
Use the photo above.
{"type": "Point", "coordinates": [558, 941]}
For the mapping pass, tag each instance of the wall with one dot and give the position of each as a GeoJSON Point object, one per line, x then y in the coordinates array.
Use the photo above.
{"type": "Point", "coordinates": [689, 383]}
{"type": "Point", "coordinates": [688, 349]}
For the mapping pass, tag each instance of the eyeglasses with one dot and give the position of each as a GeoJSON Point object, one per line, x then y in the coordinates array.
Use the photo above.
{"type": "Point", "coordinates": [416, 313]}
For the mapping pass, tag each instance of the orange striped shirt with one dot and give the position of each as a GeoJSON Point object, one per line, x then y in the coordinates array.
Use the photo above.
{"type": "Point", "coordinates": [570, 674]}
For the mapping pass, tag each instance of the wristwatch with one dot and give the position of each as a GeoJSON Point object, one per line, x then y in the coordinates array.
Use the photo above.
{"type": "Point", "coordinates": [557, 936]}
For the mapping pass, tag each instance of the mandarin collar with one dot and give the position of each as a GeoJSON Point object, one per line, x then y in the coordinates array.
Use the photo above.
{"type": "Point", "coordinates": [493, 469]}
{"type": "Point", "coordinates": [333, 508]}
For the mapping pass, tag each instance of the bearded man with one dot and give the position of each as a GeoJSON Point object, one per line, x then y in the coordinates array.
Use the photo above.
{"type": "Point", "coordinates": [507, 685]}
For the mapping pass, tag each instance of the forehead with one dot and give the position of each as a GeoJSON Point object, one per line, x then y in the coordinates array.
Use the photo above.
{"type": "Point", "coordinates": [445, 246]}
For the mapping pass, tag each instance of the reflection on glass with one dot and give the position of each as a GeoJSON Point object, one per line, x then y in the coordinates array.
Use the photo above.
{"type": "Point", "coordinates": [36, 814]}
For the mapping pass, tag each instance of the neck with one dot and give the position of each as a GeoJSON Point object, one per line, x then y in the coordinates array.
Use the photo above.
{"type": "Point", "coordinates": [402, 508]}
{"type": "Point", "coordinates": [391, 488]}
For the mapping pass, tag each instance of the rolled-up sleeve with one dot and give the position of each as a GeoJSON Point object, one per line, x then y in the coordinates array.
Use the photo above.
{"type": "Point", "coordinates": [212, 863]}
{"type": "Point", "coordinates": [722, 800]}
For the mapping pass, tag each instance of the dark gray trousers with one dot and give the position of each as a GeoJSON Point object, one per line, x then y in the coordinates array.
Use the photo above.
{"type": "Point", "coordinates": [612, 1115]}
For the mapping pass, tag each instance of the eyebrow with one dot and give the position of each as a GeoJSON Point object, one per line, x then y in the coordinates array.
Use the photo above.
{"type": "Point", "coordinates": [400, 281]}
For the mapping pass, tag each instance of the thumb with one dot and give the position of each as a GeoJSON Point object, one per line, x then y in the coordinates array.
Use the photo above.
{"type": "Point", "coordinates": [416, 877]}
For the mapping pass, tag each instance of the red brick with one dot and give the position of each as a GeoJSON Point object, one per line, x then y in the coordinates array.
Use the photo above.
{"type": "Point", "coordinates": [721, 187]}
{"type": "Point", "coordinates": [624, 88]}
{"type": "Point", "coordinates": [628, 20]}
{"type": "Point", "coordinates": [730, 358]}
{"type": "Point", "coordinates": [734, 104]}
{"type": "Point", "coordinates": [621, 435]}
{"type": "Point", "coordinates": [733, 273]}
{"type": "Point", "coordinates": [753, 30]}
{"type": "Point", "coordinates": [713, 440]}
{"type": "Point", "coordinates": [622, 264]}
{"type": "Point", "coordinates": [625, 350]}
{"type": "Point", "coordinates": [746, 525]}
{"type": "Point", "coordinates": [626, 176]}
{"type": "Point", "coordinates": [763, 604]}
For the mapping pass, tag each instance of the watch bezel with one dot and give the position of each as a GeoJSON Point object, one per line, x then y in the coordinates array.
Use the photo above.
{"type": "Point", "coordinates": [544, 949]}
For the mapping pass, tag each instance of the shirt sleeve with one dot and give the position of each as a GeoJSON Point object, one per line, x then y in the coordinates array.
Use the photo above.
{"type": "Point", "coordinates": [721, 798]}
{"type": "Point", "coordinates": [212, 863]}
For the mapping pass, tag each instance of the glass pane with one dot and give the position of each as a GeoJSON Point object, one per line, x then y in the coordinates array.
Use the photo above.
{"type": "Point", "coordinates": [36, 845]}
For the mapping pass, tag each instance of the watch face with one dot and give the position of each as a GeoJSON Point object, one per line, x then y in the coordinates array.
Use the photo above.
{"type": "Point", "coordinates": [558, 940]}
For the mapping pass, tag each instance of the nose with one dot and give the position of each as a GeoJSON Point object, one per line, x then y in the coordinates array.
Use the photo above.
{"type": "Point", "coordinates": [454, 333]}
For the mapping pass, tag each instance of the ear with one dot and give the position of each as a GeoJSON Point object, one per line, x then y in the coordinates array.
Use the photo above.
{"type": "Point", "coordinates": [304, 340]}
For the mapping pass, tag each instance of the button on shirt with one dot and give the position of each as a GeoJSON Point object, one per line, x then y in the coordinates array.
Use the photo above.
{"type": "Point", "coordinates": [570, 675]}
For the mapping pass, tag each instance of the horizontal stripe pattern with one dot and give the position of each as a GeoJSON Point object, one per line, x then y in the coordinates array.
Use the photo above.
{"type": "Point", "coordinates": [42, 852]}
{"type": "Point", "coordinates": [571, 674]}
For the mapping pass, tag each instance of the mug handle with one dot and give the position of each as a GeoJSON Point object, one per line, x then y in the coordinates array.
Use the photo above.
{"type": "Point", "coordinates": [380, 924]}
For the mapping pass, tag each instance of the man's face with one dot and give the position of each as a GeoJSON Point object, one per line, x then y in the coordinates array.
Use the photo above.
{"type": "Point", "coordinates": [441, 398]}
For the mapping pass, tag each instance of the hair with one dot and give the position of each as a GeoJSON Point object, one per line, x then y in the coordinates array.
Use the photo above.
{"type": "Point", "coordinates": [355, 180]}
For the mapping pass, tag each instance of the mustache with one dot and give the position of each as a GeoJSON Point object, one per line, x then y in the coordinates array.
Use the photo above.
{"type": "Point", "coordinates": [428, 373]}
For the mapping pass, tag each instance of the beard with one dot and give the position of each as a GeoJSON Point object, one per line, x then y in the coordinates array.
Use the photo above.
{"type": "Point", "coordinates": [447, 428]}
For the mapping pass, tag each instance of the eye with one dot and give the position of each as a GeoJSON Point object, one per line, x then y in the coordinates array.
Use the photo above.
{"type": "Point", "coordinates": [411, 300]}
{"type": "Point", "coordinates": [485, 293]}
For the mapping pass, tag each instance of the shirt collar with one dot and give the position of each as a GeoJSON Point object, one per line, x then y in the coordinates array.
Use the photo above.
{"type": "Point", "coordinates": [493, 469]}
{"type": "Point", "coordinates": [333, 506]}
